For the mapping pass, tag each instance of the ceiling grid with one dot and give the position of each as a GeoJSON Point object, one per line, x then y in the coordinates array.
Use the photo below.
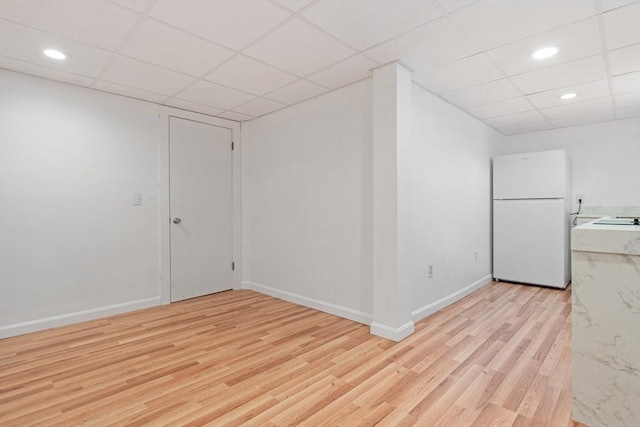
{"type": "Point", "coordinates": [244, 59]}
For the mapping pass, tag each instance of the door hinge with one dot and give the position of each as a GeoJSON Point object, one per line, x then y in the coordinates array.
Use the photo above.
{"type": "Point", "coordinates": [233, 266]}
{"type": "Point", "coordinates": [233, 145]}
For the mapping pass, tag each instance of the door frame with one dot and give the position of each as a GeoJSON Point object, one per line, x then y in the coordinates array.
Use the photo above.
{"type": "Point", "coordinates": [165, 225]}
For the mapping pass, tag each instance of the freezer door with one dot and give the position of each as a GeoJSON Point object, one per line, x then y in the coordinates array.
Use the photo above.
{"type": "Point", "coordinates": [541, 175]}
{"type": "Point", "coordinates": [529, 241]}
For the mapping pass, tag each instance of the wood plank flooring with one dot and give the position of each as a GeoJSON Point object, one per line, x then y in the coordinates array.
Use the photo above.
{"type": "Point", "coordinates": [499, 357]}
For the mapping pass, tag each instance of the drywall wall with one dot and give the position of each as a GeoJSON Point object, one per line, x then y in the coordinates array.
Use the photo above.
{"type": "Point", "coordinates": [444, 203]}
{"type": "Point", "coordinates": [72, 245]}
{"type": "Point", "coordinates": [307, 197]}
{"type": "Point", "coordinates": [71, 239]}
{"type": "Point", "coordinates": [391, 119]}
{"type": "Point", "coordinates": [307, 202]}
{"type": "Point", "coordinates": [604, 159]}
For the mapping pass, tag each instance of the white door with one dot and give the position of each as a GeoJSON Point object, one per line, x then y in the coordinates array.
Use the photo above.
{"type": "Point", "coordinates": [529, 243]}
{"type": "Point", "coordinates": [201, 208]}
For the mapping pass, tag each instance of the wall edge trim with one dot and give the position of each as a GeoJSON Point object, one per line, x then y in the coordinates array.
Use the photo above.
{"type": "Point", "coordinates": [391, 333]}
{"type": "Point", "coordinates": [76, 317]}
{"type": "Point", "coordinates": [431, 308]}
{"type": "Point", "coordinates": [327, 307]}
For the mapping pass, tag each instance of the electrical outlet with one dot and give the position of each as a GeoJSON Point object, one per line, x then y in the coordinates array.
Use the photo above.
{"type": "Point", "coordinates": [430, 271]}
{"type": "Point", "coordinates": [578, 198]}
{"type": "Point", "coordinates": [475, 256]}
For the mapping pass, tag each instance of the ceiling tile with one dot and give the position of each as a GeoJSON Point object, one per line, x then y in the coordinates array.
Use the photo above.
{"type": "Point", "coordinates": [451, 5]}
{"type": "Point", "coordinates": [578, 108]}
{"type": "Point", "coordinates": [230, 23]}
{"type": "Point", "coordinates": [628, 100]}
{"type": "Point", "coordinates": [585, 91]}
{"type": "Point", "coordinates": [515, 119]}
{"type": "Point", "coordinates": [41, 71]}
{"type": "Point", "coordinates": [557, 76]}
{"type": "Point", "coordinates": [348, 71]}
{"type": "Point", "coordinates": [26, 44]}
{"type": "Point", "coordinates": [293, 5]}
{"type": "Point", "coordinates": [299, 48]}
{"type": "Point", "coordinates": [466, 72]}
{"type": "Point", "coordinates": [163, 45]}
{"type": "Point", "coordinates": [296, 92]}
{"type": "Point", "coordinates": [192, 106]}
{"type": "Point", "coordinates": [626, 82]}
{"type": "Point", "coordinates": [485, 93]}
{"type": "Point", "coordinates": [128, 91]}
{"type": "Point", "coordinates": [258, 107]}
{"type": "Point", "coordinates": [614, 4]}
{"type": "Point", "coordinates": [625, 113]}
{"type": "Point", "coordinates": [625, 60]}
{"type": "Point", "coordinates": [418, 48]}
{"type": "Point", "coordinates": [621, 26]}
{"type": "Point", "coordinates": [573, 42]}
{"type": "Point", "coordinates": [214, 95]}
{"type": "Point", "coordinates": [364, 23]}
{"type": "Point", "coordinates": [235, 116]}
{"type": "Point", "coordinates": [134, 73]}
{"type": "Point", "coordinates": [584, 119]}
{"type": "Point", "coordinates": [249, 75]}
{"type": "Point", "coordinates": [137, 5]}
{"type": "Point", "coordinates": [99, 23]}
{"type": "Point", "coordinates": [494, 23]}
{"type": "Point", "coordinates": [525, 128]}
{"type": "Point", "coordinates": [501, 108]}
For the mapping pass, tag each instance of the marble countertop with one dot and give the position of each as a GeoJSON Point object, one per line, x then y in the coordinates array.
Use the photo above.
{"type": "Point", "coordinates": [617, 239]}
{"type": "Point", "coordinates": [600, 211]}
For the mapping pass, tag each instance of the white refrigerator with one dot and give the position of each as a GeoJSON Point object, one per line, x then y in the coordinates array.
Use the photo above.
{"type": "Point", "coordinates": [531, 216]}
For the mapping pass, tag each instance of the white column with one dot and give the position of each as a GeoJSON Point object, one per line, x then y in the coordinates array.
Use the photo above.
{"type": "Point", "coordinates": [391, 134]}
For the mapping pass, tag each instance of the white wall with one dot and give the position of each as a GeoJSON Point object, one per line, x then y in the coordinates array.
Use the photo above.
{"type": "Point", "coordinates": [445, 203]}
{"type": "Point", "coordinates": [307, 202]}
{"type": "Point", "coordinates": [72, 246]}
{"type": "Point", "coordinates": [604, 159]}
{"type": "Point", "coordinates": [71, 240]}
{"type": "Point", "coordinates": [307, 188]}
{"type": "Point", "coordinates": [391, 118]}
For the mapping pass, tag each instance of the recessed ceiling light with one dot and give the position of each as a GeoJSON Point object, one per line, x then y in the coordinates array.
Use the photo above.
{"type": "Point", "coordinates": [545, 52]}
{"type": "Point", "coordinates": [568, 95]}
{"type": "Point", "coordinates": [55, 54]}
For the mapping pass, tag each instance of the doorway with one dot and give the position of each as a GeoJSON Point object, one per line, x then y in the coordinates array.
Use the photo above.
{"type": "Point", "coordinates": [201, 208]}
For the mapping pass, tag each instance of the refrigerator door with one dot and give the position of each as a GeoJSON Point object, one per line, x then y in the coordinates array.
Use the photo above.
{"type": "Point", "coordinates": [529, 241]}
{"type": "Point", "coordinates": [541, 175]}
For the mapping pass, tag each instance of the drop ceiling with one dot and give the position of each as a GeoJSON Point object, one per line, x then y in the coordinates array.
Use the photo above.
{"type": "Point", "coordinates": [241, 59]}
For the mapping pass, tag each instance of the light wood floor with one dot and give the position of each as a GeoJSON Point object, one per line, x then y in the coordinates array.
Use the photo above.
{"type": "Point", "coordinates": [499, 357]}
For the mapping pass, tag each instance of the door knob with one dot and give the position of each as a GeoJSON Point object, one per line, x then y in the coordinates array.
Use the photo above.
{"type": "Point", "coordinates": [177, 220]}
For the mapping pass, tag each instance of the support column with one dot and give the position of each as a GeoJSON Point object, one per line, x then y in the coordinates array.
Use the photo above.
{"type": "Point", "coordinates": [391, 133]}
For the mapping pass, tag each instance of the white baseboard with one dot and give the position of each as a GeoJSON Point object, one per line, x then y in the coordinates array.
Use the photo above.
{"type": "Point", "coordinates": [385, 331]}
{"type": "Point", "coordinates": [431, 308]}
{"type": "Point", "coordinates": [76, 317]}
{"type": "Point", "coordinates": [393, 334]}
{"type": "Point", "coordinates": [336, 310]}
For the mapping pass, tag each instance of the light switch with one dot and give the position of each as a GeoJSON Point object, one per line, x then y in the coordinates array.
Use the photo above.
{"type": "Point", "coordinates": [137, 199]}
